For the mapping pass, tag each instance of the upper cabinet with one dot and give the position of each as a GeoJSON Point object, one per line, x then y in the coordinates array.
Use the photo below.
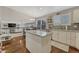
{"type": "Point", "coordinates": [57, 20]}
{"type": "Point", "coordinates": [0, 12]}
{"type": "Point", "coordinates": [62, 19]}
{"type": "Point", "coordinates": [66, 19]}
{"type": "Point", "coordinates": [76, 16]}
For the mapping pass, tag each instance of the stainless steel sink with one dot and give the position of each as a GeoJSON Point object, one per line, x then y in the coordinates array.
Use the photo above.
{"type": "Point", "coordinates": [41, 33]}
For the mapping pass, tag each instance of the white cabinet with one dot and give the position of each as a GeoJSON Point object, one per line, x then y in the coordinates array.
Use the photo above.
{"type": "Point", "coordinates": [62, 37]}
{"type": "Point", "coordinates": [38, 44]}
{"type": "Point", "coordinates": [66, 19]}
{"type": "Point", "coordinates": [63, 19]}
{"type": "Point", "coordinates": [76, 16]}
{"type": "Point", "coordinates": [0, 12]}
{"type": "Point", "coordinates": [60, 46]}
{"type": "Point", "coordinates": [55, 35]}
{"type": "Point", "coordinates": [73, 39]}
{"type": "Point", "coordinates": [77, 40]}
{"type": "Point", "coordinates": [68, 37]}
{"type": "Point", "coordinates": [59, 36]}
{"type": "Point", "coordinates": [33, 46]}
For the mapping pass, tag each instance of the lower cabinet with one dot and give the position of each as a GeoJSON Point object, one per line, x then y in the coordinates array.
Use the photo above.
{"type": "Point", "coordinates": [55, 36]}
{"type": "Point", "coordinates": [62, 37]}
{"type": "Point", "coordinates": [68, 37]}
{"type": "Point", "coordinates": [73, 39]}
{"type": "Point", "coordinates": [77, 40]}
{"type": "Point", "coordinates": [59, 36]}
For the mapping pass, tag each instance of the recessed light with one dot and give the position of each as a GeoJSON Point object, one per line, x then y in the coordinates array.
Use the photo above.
{"type": "Point", "coordinates": [41, 8]}
{"type": "Point", "coordinates": [31, 19]}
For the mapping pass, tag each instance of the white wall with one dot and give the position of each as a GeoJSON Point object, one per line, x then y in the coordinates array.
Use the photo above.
{"type": "Point", "coordinates": [8, 15]}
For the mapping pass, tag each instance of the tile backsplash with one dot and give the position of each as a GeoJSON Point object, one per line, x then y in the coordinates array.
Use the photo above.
{"type": "Point", "coordinates": [74, 26]}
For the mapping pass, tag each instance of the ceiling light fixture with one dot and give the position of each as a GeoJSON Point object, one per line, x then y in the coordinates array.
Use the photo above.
{"type": "Point", "coordinates": [32, 19]}
{"type": "Point", "coordinates": [41, 8]}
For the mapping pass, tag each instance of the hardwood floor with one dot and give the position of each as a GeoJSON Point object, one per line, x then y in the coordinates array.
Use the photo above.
{"type": "Point", "coordinates": [56, 50]}
{"type": "Point", "coordinates": [73, 50]}
{"type": "Point", "coordinates": [17, 45]}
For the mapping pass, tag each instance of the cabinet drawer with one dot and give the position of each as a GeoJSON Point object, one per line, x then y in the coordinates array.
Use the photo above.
{"type": "Point", "coordinates": [60, 46]}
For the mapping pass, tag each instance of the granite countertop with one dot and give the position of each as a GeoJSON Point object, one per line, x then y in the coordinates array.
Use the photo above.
{"type": "Point", "coordinates": [15, 32]}
{"type": "Point", "coordinates": [65, 30]}
{"type": "Point", "coordinates": [39, 33]}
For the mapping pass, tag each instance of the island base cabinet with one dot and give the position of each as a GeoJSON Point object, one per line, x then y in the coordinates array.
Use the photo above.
{"type": "Point", "coordinates": [38, 44]}
{"type": "Point", "coordinates": [33, 47]}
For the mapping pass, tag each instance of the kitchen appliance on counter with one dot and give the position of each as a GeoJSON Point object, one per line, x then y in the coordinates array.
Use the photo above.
{"type": "Point", "coordinates": [74, 26]}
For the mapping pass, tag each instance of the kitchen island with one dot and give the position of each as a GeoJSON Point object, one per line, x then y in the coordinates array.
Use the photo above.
{"type": "Point", "coordinates": [38, 41]}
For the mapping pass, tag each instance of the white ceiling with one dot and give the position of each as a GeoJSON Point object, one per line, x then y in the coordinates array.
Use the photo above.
{"type": "Point", "coordinates": [37, 11]}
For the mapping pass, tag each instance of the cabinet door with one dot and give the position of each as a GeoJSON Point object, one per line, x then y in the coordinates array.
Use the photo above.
{"type": "Point", "coordinates": [60, 46]}
{"type": "Point", "coordinates": [62, 37]}
{"type": "Point", "coordinates": [28, 40]}
{"type": "Point", "coordinates": [55, 35]}
{"type": "Point", "coordinates": [68, 34]}
{"type": "Point", "coordinates": [76, 16]}
{"type": "Point", "coordinates": [66, 19]}
{"type": "Point", "coordinates": [0, 12]}
{"type": "Point", "coordinates": [73, 39]}
{"type": "Point", "coordinates": [77, 40]}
